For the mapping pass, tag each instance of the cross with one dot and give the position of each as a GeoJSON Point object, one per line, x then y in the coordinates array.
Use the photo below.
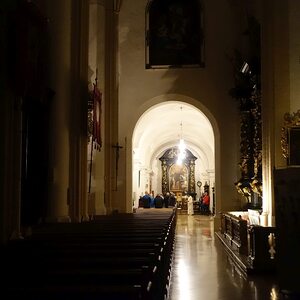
{"type": "Point", "coordinates": [117, 147]}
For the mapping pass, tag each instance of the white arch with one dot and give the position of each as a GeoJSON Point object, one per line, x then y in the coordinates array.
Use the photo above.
{"type": "Point", "coordinates": [142, 124]}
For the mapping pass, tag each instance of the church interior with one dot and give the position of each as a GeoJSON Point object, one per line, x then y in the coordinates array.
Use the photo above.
{"type": "Point", "coordinates": [146, 139]}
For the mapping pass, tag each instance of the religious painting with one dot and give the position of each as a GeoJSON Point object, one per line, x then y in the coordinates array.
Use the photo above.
{"type": "Point", "coordinates": [174, 34]}
{"type": "Point", "coordinates": [178, 178]}
{"type": "Point", "coordinates": [290, 138]}
{"type": "Point", "coordinates": [294, 146]}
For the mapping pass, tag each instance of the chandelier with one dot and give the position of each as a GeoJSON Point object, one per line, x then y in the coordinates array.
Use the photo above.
{"type": "Point", "coordinates": [181, 146]}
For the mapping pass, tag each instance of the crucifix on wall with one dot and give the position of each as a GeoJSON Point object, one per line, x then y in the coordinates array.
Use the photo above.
{"type": "Point", "coordinates": [117, 148]}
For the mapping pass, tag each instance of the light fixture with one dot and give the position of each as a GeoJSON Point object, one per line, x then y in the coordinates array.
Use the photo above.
{"type": "Point", "coordinates": [181, 153]}
{"type": "Point", "coordinates": [245, 68]}
{"type": "Point", "coordinates": [117, 5]}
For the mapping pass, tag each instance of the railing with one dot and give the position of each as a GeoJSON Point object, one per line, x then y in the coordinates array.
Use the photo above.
{"type": "Point", "coordinates": [254, 242]}
{"type": "Point", "coordinates": [262, 247]}
{"type": "Point", "coordinates": [234, 229]}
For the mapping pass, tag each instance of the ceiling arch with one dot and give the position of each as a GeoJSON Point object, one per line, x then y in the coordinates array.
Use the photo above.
{"type": "Point", "coordinates": [160, 128]}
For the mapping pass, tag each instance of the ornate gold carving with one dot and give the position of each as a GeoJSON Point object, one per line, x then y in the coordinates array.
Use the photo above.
{"type": "Point", "coordinates": [293, 119]}
{"type": "Point", "coordinates": [168, 160]}
{"type": "Point", "coordinates": [164, 177]}
{"type": "Point", "coordinates": [284, 143]}
{"type": "Point", "coordinates": [250, 163]}
{"type": "Point", "coordinates": [192, 176]}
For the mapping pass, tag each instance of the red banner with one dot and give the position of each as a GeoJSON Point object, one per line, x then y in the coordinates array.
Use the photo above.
{"type": "Point", "coordinates": [97, 99]}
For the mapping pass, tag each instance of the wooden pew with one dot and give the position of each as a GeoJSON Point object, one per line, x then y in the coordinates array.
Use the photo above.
{"type": "Point", "coordinates": [115, 258]}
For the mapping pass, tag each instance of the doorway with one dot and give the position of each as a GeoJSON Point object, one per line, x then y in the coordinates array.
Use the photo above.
{"type": "Point", "coordinates": [162, 127]}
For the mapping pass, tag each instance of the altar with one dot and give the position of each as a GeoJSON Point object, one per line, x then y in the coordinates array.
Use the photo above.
{"type": "Point", "coordinates": [178, 178]}
{"type": "Point", "coordinates": [181, 201]}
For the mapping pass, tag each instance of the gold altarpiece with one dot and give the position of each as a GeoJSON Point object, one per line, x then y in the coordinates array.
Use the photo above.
{"type": "Point", "coordinates": [178, 178]}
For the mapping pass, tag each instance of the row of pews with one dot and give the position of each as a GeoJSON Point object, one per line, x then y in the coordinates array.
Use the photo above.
{"type": "Point", "coordinates": [122, 256]}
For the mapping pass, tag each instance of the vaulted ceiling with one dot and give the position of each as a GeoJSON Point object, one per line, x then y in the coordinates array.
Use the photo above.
{"type": "Point", "coordinates": [160, 128]}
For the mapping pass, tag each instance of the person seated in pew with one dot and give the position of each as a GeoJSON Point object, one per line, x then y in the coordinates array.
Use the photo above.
{"type": "Point", "coordinates": [141, 203]}
{"type": "Point", "coordinates": [205, 203]}
{"type": "Point", "coordinates": [146, 200]}
{"type": "Point", "coordinates": [158, 201]}
{"type": "Point", "coordinates": [151, 199]}
{"type": "Point", "coordinates": [172, 200]}
{"type": "Point", "coordinates": [166, 199]}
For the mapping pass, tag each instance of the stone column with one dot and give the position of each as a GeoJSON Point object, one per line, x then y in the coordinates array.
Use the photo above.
{"type": "Point", "coordinates": [275, 95]}
{"type": "Point", "coordinates": [59, 13]}
{"type": "Point", "coordinates": [112, 183]}
{"type": "Point", "coordinates": [77, 196]}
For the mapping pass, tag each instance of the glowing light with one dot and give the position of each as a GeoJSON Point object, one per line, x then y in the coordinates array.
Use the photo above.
{"type": "Point", "coordinates": [182, 152]}
{"type": "Point", "coordinates": [184, 279]}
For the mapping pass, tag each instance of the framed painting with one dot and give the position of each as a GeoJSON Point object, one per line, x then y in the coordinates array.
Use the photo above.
{"type": "Point", "coordinates": [174, 36]}
{"type": "Point", "coordinates": [290, 138]}
{"type": "Point", "coordinates": [178, 178]}
{"type": "Point", "coordinates": [294, 146]}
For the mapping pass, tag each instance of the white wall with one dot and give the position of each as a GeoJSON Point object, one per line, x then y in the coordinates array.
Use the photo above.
{"type": "Point", "coordinates": [206, 88]}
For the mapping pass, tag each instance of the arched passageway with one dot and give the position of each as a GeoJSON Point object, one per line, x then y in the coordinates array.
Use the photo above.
{"type": "Point", "coordinates": [160, 130]}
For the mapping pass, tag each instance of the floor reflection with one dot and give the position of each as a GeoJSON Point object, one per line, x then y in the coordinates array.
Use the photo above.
{"type": "Point", "coordinates": [202, 270]}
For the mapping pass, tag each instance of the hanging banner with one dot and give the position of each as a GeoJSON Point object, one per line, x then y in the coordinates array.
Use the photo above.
{"type": "Point", "coordinates": [95, 121]}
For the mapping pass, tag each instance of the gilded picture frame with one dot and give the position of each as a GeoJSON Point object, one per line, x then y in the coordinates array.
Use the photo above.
{"type": "Point", "coordinates": [290, 138]}
{"type": "Point", "coordinates": [174, 34]}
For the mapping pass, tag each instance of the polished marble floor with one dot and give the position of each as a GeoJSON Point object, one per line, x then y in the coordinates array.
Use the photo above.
{"type": "Point", "coordinates": [202, 270]}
